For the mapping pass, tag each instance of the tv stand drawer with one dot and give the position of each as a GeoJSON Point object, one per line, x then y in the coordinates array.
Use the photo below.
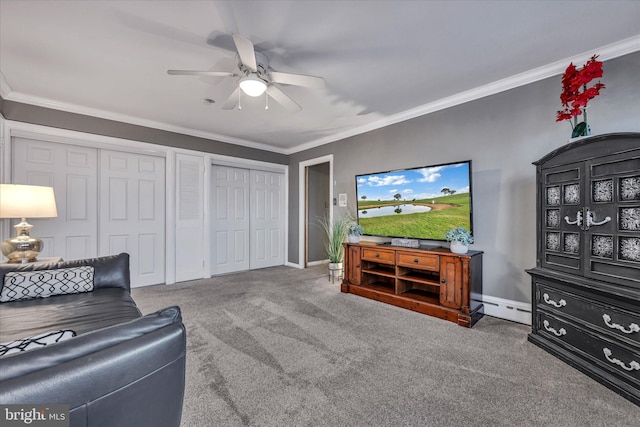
{"type": "Point", "coordinates": [379, 255]}
{"type": "Point", "coordinates": [421, 261]}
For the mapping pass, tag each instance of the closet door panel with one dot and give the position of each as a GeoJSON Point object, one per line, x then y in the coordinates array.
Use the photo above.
{"type": "Point", "coordinates": [72, 172]}
{"type": "Point", "coordinates": [132, 215]}
{"type": "Point", "coordinates": [267, 219]}
{"type": "Point", "coordinates": [230, 216]}
{"type": "Point", "coordinates": [190, 239]}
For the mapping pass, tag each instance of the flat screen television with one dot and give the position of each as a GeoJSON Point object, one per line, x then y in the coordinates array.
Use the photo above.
{"type": "Point", "coordinates": [419, 203]}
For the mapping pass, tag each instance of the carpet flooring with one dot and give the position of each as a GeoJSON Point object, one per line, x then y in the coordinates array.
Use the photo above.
{"type": "Point", "coordinates": [284, 347]}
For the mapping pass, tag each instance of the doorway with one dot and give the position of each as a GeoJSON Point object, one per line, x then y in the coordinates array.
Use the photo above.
{"type": "Point", "coordinates": [316, 196]}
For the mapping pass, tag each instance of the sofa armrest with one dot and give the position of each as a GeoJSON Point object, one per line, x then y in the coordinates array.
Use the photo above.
{"type": "Point", "coordinates": [109, 271]}
{"type": "Point", "coordinates": [128, 374]}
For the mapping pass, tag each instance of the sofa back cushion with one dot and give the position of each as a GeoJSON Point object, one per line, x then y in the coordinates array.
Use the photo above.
{"type": "Point", "coordinates": [109, 271]}
{"type": "Point", "coordinates": [21, 285]}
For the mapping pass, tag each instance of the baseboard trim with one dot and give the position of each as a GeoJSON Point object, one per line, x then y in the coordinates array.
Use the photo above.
{"type": "Point", "coordinates": [507, 309]}
{"type": "Point", "coordinates": [293, 264]}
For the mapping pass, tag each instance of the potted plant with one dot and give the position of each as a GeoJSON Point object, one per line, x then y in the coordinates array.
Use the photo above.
{"type": "Point", "coordinates": [335, 234]}
{"type": "Point", "coordinates": [460, 239]}
{"type": "Point", "coordinates": [576, 94]}
{"type": "Point", "coordinates": [355, 231]}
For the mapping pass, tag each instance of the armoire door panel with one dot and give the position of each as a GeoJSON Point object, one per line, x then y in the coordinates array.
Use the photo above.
{"type": "Point", "coordinates": [562, 200]}
{"type": "Point", "coordinates": [613, 228]}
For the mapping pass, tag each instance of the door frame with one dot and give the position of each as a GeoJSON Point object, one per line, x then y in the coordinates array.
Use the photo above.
{"type": "Point", "coordinates": [46, 133]}
{"type": "Point", "coordinates": [212, 160]}
{"type": "Point", "coordinates": [302, 203]}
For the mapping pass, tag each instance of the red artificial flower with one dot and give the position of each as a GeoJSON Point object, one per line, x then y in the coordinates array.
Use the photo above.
{"type": "Point", "coordinates": [575, 94]}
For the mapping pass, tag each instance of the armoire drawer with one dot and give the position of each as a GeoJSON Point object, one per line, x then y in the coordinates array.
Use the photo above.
{"type": "Point", "coordinates": [610, 319]}
{"type": "Point", "coordinates": [610, 355]}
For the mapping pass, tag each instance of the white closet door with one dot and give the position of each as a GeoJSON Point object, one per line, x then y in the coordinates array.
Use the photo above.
{"type": "Point", "coordinates": [230, 217]}
{"type": "Point", "coordinates": [132, 189]}
{"type": "Point", "coordinates": [267, 219]}
{"type": "Point", "coordinates": [189, 217]}
{"type": "Point", "coordinates": [72, 172]}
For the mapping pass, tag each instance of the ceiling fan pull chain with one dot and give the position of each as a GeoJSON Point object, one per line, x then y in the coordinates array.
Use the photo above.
{"type": "Point", "coordinates": [239, 105]}
{"type": "Point", "coordinates": [266, 100]}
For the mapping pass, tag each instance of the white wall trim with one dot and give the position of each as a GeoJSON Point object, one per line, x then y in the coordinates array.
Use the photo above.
{"type": "Point", "coordinates": [301, 198]}
{"type": "Point", "coordinates": [611, 51]}
{"type": "Point", "coordinates": [170, 217]}
{"type": "Point", "coordinates": [66, 136]}
{"type": "Point", "coordinates": [236, 162]}
{"type": "Point", "coordinates": [5, 89]}
{"type": "Point", "coordinates": [507, 309]}
{"type": "Point", "coordinates": [125, 118]}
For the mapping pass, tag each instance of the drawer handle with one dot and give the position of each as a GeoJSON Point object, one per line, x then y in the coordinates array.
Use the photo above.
{"type": "Point", "coordinates": [559, 333]}
{"type": "Point", "coordinates": [416, 260]}
{"type": "Point", "coordinates": [377, 255]}
{"type": "Point", "coordinates": [634, 327]}
{"type": "Point", "coordinates": [633, 366]}
{"type": "Point", "coordinates": [558, 304]}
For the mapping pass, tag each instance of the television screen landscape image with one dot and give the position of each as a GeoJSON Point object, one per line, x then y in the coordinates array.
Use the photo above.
{"type": "Point", "coordinates": [419, 203]}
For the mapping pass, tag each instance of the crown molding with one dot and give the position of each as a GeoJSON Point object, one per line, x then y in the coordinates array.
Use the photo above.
{"type": "Point", "coordinates": [124, 118]}
{"type": "Point", "coordinates": [5, 89]}
{"type": "Point", "coordinates": [611, 51]}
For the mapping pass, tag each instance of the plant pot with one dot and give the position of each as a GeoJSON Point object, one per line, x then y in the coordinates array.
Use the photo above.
{"type": "Point", "coordinates": [335, 271]}
{"type": "Point", "coordinates": [353, 238]}
{"type": "Point", "coordinates": [459, 248]}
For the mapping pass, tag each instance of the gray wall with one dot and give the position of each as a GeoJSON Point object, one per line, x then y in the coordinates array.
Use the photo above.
{"type": "Point", "coordinates": [502, 134]}
{"type": "Point", "coordinates": [81, 123]}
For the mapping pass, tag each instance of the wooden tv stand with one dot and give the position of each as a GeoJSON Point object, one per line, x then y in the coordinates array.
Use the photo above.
{"type": "Point", "coordinates": [436, 282]}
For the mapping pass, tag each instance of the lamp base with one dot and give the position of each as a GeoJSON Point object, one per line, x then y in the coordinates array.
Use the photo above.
{"type": "Point", "coordinates": [23, 248]}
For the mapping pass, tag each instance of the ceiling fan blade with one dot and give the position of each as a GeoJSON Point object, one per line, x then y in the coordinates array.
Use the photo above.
{"type": "Point", "coordinates": [200, 73]}
{"type": "Point", "coordinates": [297, 79]}
{"type": "Point", "coordinates": [232, 101]}
{"type": "Point", "coordinates": [281, 98]}
{"type": "Point", "coordinates": [246, 52]}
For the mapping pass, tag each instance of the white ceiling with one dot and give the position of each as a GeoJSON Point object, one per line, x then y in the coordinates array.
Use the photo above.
{"type": "Point", "coordinates": [383, 61]}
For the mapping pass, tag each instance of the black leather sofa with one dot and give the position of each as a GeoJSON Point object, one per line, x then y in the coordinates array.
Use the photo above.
{"type": "Point", "coordinates": [121, 369]}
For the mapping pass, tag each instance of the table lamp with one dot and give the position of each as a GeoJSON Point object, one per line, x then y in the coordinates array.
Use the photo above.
{"type": "Point", "coordinates": [25, 201]}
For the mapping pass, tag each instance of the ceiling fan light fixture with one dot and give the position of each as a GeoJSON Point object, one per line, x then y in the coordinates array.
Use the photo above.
{"type": "Point", "coordinates": [252, 85]}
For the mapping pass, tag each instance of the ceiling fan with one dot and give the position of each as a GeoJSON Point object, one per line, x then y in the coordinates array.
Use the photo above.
{"type": "Point", "coordinates": [256, 77]}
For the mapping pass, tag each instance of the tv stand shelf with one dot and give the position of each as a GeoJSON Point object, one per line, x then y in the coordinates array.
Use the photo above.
{"type": "Point", "coordinates": [435, 281]}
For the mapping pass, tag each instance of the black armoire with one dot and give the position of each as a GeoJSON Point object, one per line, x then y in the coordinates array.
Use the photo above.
{"type": "Point", "coordinates": [586, 284]}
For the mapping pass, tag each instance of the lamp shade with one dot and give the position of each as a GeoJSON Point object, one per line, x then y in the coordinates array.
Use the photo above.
{"type": "Point", "coordinates": [27, 201]}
